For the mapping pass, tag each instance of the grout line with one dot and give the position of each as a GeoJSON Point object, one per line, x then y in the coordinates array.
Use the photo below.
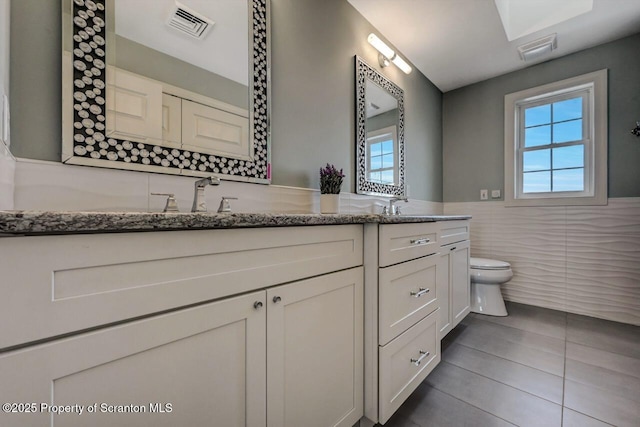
{"type": "Point", "coordinates": [467, 403]}
{"type": "Point", "coordinates": [508, 360]}
{"type": "Point", "coordinates": [504, 384]}
{"type": "Point", "coordinates": [483, 319]}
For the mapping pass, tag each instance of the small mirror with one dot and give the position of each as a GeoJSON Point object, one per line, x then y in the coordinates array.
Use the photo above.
{"type": "Point", "coordinates": [380, 133]}
{"type": "Point", "coordinates": [162, 86]}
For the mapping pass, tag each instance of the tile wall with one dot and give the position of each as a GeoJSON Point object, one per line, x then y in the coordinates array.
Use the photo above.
{"type": "Point", "coordinates": [583, 260]}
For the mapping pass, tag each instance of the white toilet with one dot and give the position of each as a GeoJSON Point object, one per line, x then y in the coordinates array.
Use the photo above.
{"type": "Point", "coordinates": [486, 277]}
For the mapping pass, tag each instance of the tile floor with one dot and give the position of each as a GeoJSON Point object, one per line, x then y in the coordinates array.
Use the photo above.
{"type": "Point", "coordinates": [536, 367]}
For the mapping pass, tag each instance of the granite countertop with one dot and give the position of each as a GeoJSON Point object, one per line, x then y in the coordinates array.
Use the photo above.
{"type": "Point", "coordinates": [54, 222]}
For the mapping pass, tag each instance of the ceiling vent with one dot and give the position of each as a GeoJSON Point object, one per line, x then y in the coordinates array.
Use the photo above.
{"type": "Point", "coordinates": [189, 22]}
{"type": "Point", "coordinates": [537, 48]}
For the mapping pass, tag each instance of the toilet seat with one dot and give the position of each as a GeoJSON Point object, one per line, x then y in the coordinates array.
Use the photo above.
{"type": "Point", "coordinates": [488, 264]}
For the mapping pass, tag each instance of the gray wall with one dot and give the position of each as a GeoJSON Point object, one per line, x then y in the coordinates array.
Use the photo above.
{"type": "Point", "coordinates": [313, 101]}
{"type": "Point", "coordinates": [142, 60]}
{"type": "Point", "coordinates": [473, 120]}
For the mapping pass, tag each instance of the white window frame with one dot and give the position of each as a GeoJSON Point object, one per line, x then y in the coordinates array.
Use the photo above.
{"type": "Point", "coordinates": [593, 88]}
{"type": "Point", "coordinates": [379, 135]}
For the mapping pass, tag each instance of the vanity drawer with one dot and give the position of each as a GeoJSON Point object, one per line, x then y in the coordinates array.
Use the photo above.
{"type": "Point", "coordinates": [453, 231]}
{"type": "Point", "coordinates": [407, 293]}
{"type": "Point", "coordinates": [404, 242]}
{"type": "Point", "coordinates": [405, 362]}
{"type": "Point", "coordinates": [55, 285]}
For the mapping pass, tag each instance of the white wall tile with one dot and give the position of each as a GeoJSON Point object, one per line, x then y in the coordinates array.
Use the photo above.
{"type": "Point", "coordinates": [583, 259]}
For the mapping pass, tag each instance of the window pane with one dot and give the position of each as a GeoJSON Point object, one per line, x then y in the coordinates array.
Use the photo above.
{"type": "Point", "coordinates": [376, 149]}
{"type": "Point", "coordinates": [568, 157]}
{"type": "Point", "coordinates": [568, 180]}
{"type": "Point", "coordinates": [536, 160]}
{"type": "Point", "coordinates": [387, 177]}
{"type": "Point", "coordinates": [376, 162]}
{"type": "Point", "coordinates": [567, 110]}
{"type": "Point", "coordinates": [536, 182]}
{"type": "Point", "coordinates": [540, 135]}
{"type": "Point", "coordinates": [387, 161]}
{"type": "Point", "coordinates": [374, 176]}
{"type": "Point", "coordinates": [567, 131]}
{"type": "Point", "coordinates": [387, 147]}
{"type": "Point", "coordinates": [537, 115]}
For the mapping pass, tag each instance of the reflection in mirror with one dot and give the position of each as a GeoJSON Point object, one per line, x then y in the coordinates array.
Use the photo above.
{"type": "Point", "coordinates": [380, 133]}
{"type": "Point", "coordinates": [167, 87]}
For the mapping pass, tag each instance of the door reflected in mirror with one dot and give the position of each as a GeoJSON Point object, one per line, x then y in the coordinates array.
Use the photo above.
{"type": "Point", "coordinates": [380, 133]}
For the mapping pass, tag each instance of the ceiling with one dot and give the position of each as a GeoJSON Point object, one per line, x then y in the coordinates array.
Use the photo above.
{"type": "Point", "coordinates": [145, 22]}
{"type": "Point", "coordinates": [455, 43]}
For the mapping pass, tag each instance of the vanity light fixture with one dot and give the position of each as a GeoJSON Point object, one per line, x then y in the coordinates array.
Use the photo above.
{"type": "Point", "coordinates": [387, 54]}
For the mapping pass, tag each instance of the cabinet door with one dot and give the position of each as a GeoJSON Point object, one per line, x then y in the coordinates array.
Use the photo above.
{"type": "Point", "coordinates": [134, 107]}
{"type": "Point", "coordinates": [202, 366]}
{"type": "Point", "coordinates": [459, 281]}
{"type": "Point", "coordinates": [314, 351]}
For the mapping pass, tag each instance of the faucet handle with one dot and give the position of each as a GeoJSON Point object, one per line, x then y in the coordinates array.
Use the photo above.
{"type": "Point", "coordinates": [171, 205]}
{"type": "Point", "coordinates": [225, 206]}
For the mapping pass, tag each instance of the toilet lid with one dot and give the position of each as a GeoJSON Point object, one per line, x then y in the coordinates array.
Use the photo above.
{"type": "Point", "coordinates": [488, 264]}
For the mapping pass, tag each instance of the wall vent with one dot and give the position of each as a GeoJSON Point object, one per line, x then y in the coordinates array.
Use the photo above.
{"type": "Point", "coordinates": [189, 22]}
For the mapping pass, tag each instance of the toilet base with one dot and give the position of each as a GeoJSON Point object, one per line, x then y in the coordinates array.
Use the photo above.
{"type": "Point", "coordinates": [487, 299]}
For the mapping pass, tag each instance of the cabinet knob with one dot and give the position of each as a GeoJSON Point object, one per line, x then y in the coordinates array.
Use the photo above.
{"type": "Point", "coordinates": [257, 305]}
{"type": "Point", "coordinates": [277, 299]}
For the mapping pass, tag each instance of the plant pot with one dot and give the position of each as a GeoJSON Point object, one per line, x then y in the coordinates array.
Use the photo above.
{"type": "Point", "coordinates": [329, 203]}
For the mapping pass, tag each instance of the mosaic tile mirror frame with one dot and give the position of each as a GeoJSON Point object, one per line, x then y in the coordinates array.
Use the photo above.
{"type": "Point", "coordinates": [86, 139]}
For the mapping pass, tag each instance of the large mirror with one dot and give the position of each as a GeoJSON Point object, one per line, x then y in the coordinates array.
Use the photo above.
{"type": "Point", "coordinates": [166, 86]}
{"type": "Point", "coordinates": [379, 133]}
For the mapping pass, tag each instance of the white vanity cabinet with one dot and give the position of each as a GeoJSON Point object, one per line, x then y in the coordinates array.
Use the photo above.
{"type": "Point", "coordinates": [454, 284]}
{"type": "Point", "coordinates": [418, 291]}
{"type": "Point", "coordinates": [408, 342]}
{"type": "Point", "coordinates": [242, 327]}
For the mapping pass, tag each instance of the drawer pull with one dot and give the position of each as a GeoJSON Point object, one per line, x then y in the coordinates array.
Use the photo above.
{"type": "Point", "coordinates": [423, 241]}
{"type": "Point", "coordinates": [453, 248]}
{"type": "Point", "coordinates": [420, 292]}
{"type": "Point", "coordinates": [419, 360]}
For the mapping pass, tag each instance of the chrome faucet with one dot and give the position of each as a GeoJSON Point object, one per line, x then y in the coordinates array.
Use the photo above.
{"type": "Point", "coordinates": [199, 202]}
{"type": "Point", "coordinates": [393, 209]}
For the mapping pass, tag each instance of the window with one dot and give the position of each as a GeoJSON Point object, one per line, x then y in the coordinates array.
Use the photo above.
{"type": "Point", "coordinates": [381, 156]}
{"type": "Point", "coordinates": [556, 143]}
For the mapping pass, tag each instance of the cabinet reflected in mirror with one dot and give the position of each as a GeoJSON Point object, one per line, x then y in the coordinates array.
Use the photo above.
{"type": "Point", "coordinates": [380, 133]}
{"type": "Point", "coordinates": [164, 87]}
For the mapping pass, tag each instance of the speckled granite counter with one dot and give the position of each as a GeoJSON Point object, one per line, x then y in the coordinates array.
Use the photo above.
{"type": "Point", "coordinates": [49, 222]}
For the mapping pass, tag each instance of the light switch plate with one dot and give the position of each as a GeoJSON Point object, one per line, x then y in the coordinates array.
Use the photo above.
{"type": "Point", "coordinates": [484, 194]}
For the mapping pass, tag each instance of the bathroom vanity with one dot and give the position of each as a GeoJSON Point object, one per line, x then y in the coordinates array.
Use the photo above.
{"type": "Point", "coordinates": [243, 319]}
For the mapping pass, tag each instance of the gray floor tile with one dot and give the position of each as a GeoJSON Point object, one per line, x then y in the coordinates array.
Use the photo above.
{"type": "Point", "coordinates": [534, 381]}
{"type": "Point", "coordinates": [521, 337]}
{"type": "Point", "coordinates": [429, 407]}
{"type": "Point", "coordinates": [542, 321]}
{"type": "Point", "coordinates": [605, 359]}
{"type": "Point", "coordinates": [571, 418]}
{"type": "Point", "coordinates": [489, 340]}
{"type": "Point", "coordinates": [508, 403]}
{"type": "Point", "coordinates": [603, 406]}
{"type": "Point", "coordinates": [605, 335]}
{"type": "Point", "coordinates": [607, 381]}
{"type": "Point", "coordinates": [397, 420]}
